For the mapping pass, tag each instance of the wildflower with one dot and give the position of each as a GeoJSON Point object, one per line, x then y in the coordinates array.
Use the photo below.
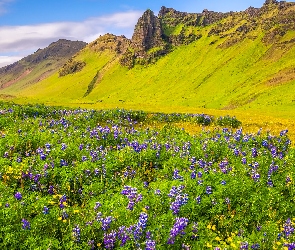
{"type": "Point", "coordinates": [198, 199]}
{"type": "Point", "coordinates": [45, 210]}
{"type": "Point", "coordinates": [110, 240]}
{"type": "Point", "coordinates": [244, 245]}
{"type": "Point", "coordinates": [288, 228]}
{"type": "Point", "coordinates": [208, 190]}
{"type": "Point", "coordinates": [26, 224]}
{"type": "Point", "coordinates": [178, 229]}
{"type": "Point", "coordinates": [91, 244]}
{"type": "Point", "coordinates": [150, 245]}
{"type": "Point", "coordinates": [227, 200]}
{"type": "Point", "coordinates": [77, 233]}
{"type": "Point", "coordinates": [97, 205]}
{"type": "Point", "coordinates": [223, 182]}
{"type": "Point", "coordinates": [255, 246]}
{"type": "Point", "coordinates": [18, 196]}
{"type": "Point", "coordinates": [106, 223]}
{"type": "Point", "coordinates": [176, 175]}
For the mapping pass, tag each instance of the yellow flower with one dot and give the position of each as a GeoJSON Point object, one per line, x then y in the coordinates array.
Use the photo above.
{"type": "Point", "coordinates": [278, 243]}
{"type": "Point", "coordinates": [233, 245]}
{"type": "Point", "coordinates": [209, 226]}
{"type": "Point", "coordinates": [76, 211]}
{"type": "Point", "coordinates": [214, 227]}
{"type": "Point", "coordinates": [229, 239]}
{"type": "Point", "coordinates": [64, 221]}
{"type": "Point", "coordinates": [209, 245]}
{"type": "Point", "coordinates": [218, 238]}
{"type": "Point", "coordinates": [59, 218]}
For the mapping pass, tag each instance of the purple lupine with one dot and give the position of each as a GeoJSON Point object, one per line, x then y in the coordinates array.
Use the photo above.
{"type": "Point", "coordinates": [18, 196]}
{"type": "Point", "coordinates": [208, 190]}
{"type": "Point", "coordinates": [227, 200]}
{"type": "Point", "coordinates": [254, 152]}
{"type": "Point", "coordinates": [288, 228]}
{"type": "Point", "coordinates": [198, 199]}
{"type": "Point", "coordinates": [140, 226]}
{"type": "Point", "coordinates": [45, 210]}
{"type": "Point", "coordinates": [195, 231]}
{"type": "Point", "coordinates": [177, 229]}
{"type": "Point", "coordinates": [91, 244]}
{"type": "Point", "coordinates": [105, 223]}
{"type": "Point", "coordinates": [123, 235]}
{"type": "Point", "coordinates": [26, 224]}
{"type": "Point", "coordinates": [193, 175]}
{"type": "Point", "coordinates": [244, 245]}
{"type": "Point", "coordinates": [97, 205]}
{"type": "Point", "coordinates": [255, 246]}
{"type": "Point", "coordinates": [150, 245]}
{"type": "Point", "coordinates": [176, 175]}
{"type": "Point", "coordinates": [77, 233]}
{"type": "Point", "coordinates": [109, 240]}
{"type": "Point", "coordinates": [133, 197]}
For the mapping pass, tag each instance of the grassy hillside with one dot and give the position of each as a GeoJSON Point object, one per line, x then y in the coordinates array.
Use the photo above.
{"type": "Point", "coordinates": [221, 70]}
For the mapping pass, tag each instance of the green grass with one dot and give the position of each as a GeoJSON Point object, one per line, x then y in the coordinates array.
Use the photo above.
{"type": "Point", "coordinates": [248, 76]}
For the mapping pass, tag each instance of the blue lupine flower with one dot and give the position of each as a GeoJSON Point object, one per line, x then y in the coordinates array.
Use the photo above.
{"type": "Point", "coordinates": [45, 210]}
{"type": "Point", "coordinates": [208, 190]}
{"type": "Point", "coordinates": [77, 233]}
{"type": "Point", "coordinates": [18, 196]}
{"type": "Point", "coordinates": [26, 224]}
{"type": "Point", "coordinates": [150, 245]}
{"type": "Point", "coordinates": [178, 229]}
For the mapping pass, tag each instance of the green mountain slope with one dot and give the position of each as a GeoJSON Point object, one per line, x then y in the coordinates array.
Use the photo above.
{"type": "Point", "coordinates": [237, 60]}
{"type": "Point", "coordinates": [38, 66]}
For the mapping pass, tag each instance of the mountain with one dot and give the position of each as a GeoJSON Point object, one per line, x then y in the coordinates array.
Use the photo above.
{"type": "Point", "coordinates": [177, 60]}
{"type": "Point", "coordinates": [39, 65]}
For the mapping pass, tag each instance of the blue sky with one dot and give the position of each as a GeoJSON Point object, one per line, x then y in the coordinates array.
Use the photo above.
{"type": "Point", "coordinates": [26, 25]}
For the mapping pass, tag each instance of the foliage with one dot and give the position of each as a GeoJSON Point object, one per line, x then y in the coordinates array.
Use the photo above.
{"type": "Point", "coordinates": [86, 179]}
{"type": "Point", "coordinates": [71, 67]}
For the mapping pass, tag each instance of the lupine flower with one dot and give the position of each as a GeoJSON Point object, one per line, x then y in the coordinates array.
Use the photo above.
{"type": "Point", "coordinates": [176, 175]}
{"type": "Point", "coordinates": [198, 199]}
{"type": "Point", "coordinates": [106, 223]}
{"type": "Point", "coordinates": [208, 190]}
{"type": "Point", "coordinates": [150, 245]}
{"type": "Point", "coordinates": [97, 205]}
{"type": "Point", "coordinates": [223, 182]}
{"type": "Point", "coordinates": [288, 228]}
{"type": "Point", "coordinates": [244, 245]}
{"type": "Point", "coordinates": [77, 233]}
{"type": "Point", "coordinates": [26, 224]}
{"type": "Point", "coordinates": [195, 231]}
{"type": "Point", "coordinates": [110, 240]}
{"type": "Point", "coordinates": [227, 200]}
{"type": "Point", "coordinates": [18, 196]}
{"type": "Point", "coordinates": [45, 210]}
{"type": "Point", "coordinates": [255, 246]}
{"type": "Point", "coordinates": [91, 244]}
{"type": "Point", "coordinates": [178, 229]}
{"type": "Point", "coordinates": [132, 196]}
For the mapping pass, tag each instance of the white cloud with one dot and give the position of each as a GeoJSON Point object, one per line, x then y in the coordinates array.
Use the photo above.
{"type": "Point", "coordinates": [6, 60]}
{"type": "Point", "coordinates": [15, 40]}
{"type": "Point", "coordinates": [3, 4]}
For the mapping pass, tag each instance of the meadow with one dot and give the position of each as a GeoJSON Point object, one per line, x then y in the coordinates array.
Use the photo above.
{"type": "Point", "coordinates": [119, 179]}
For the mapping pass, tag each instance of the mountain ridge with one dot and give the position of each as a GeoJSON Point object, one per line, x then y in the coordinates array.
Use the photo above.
{"type": "Point", "coordinates": [233, 60]}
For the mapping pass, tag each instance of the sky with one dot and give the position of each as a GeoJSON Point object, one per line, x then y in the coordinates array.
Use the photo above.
{"type": "Point", "coordinates": [27, 25]}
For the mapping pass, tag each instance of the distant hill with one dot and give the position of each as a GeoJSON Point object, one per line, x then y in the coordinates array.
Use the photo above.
{"type": "Point", "coordinates": [39, 65]}
{"type": "Point", "coordinates": [235, 60]}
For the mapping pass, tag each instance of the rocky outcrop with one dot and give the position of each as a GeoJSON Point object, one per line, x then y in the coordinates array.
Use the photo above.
{"type": "Point", "coordinates": [111, 42]}
{"type": "Point", "coordinates": [148, 33]}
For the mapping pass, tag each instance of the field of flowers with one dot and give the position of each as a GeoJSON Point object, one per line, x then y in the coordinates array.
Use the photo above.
{"type": "Point", "coordinates": [85, 179]}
